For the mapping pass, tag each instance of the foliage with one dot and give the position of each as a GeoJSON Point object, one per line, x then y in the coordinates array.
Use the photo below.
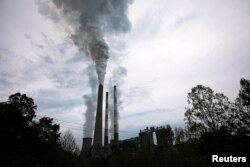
{"type": "Point", "coordinates": [25, 104]}
{"type": "Point", "coordinates": [165, 137]}
{"type": "Point", "coordinates": [214, 126]}
{"type": "Point", "coordinates": [180, 135]}
{"type": "Point", "coordinates": [239, 121]}
{"type": "Point", "coordinates": [25, 142]}
{"type": "Point", "coordinates": [68, 142]}
{"type": "Point", "coordinates": [208, 111]}
{"type": "Point", "coordinates": [244, 93]}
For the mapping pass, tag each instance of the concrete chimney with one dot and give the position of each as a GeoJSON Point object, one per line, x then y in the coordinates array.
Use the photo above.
{"type": "Point", "coordinates": [106, 135]}
{"type": "Point", "coordinates": [116, 135]}
{"type": "Point", "coordinates": [86, 146]}
{"type": "Point", "coordinates": [97, 144]}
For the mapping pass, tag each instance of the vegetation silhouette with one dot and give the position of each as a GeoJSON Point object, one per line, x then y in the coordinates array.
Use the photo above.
{"type": "Point", "coordinates": [214, 125]}
{"type": "Point", "coordinates": [26, 142]}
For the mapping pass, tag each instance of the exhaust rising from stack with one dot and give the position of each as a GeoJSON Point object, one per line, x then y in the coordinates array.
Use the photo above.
{"type": "Point", "coordinates": [116, 135]}
{"type": "Point", "coordinates": [106, 135]}
{"type": "Point", "coordinates": [98, 122]}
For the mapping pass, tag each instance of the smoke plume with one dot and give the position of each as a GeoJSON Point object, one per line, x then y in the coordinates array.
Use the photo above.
{"type": "Point", "coordinates": [88, 20]}
{"type": "Point", "coordinates": [90, 102]}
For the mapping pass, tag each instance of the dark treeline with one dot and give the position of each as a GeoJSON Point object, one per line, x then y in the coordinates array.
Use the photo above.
{"type": "Point", "coordinates": [29, 143]}
{"type": "Point", "coordinates": [214, 125]}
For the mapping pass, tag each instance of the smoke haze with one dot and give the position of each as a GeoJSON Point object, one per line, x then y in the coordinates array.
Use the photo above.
{"type": "Point", "coordinates": [87, 20]}
{"type": "Point", "coordinates": [117, 78]}
{"type": "Point", "coordinates": [90, 102]}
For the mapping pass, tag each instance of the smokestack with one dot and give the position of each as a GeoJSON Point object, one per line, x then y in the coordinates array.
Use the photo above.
{"type": "Point", "coordinates": [98, 122]}
{"type": "Point", "coordinates": [86, 145]}
{"type": "Point", "coordinates": [116, 135]}
{"type": "Point", "coordinates": [106, 135]}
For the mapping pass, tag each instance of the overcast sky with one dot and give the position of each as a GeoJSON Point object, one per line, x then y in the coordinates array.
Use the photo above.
{"type": "Point", "coordinates": [172, 46]}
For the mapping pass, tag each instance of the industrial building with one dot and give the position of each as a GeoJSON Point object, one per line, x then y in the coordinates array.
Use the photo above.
{"type": "Point", "coordinates": [130, 145]}
{"type": "Point", "coordinates": [146, 138]}
{"type": "Point", "coordinates": [94, 147]}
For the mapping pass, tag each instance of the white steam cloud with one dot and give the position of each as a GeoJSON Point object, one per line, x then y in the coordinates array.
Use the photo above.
{"type": "Point", "coordinates": [90, 102]}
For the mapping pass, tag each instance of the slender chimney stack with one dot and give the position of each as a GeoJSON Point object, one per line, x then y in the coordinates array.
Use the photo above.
{"type": "Point", "coordinates": [116, 135]}
{"type": "Point", "coordinates": [97, 144]}
{"type": "Point", "coordinates": [106, 135]}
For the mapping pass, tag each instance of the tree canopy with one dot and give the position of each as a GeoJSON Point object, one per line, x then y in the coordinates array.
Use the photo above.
{"type": "Point", "coordinates": [209, 111]}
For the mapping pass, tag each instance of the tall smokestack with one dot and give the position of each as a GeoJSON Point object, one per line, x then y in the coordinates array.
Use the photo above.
{"type": "Point", "coordinates": [106, 135]}
{"type": "Point", "coordinates": [98, 122]}
{"type": "Point", "coordinates": [116, 135]}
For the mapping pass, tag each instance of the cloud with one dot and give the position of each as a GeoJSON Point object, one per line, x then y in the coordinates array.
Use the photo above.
{"type": "Point", "coordinates": [172, 47]}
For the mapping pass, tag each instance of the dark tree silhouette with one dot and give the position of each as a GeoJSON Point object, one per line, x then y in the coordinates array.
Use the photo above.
{"type": "Point", "coordinates": [244, 93]}
{"type": "Point", "coordinates": [208, 111]}
{"type": "Point", "coordinates": [239, 121]}
{"type": "Point", "coordinates": [11, 123]}
{"type": "Point", "coordinates": [214, 126]}
{"type": "Point", "coordinates": [25, 104]}
{"type": "Point", "coordinates": [48, 132]}
{"type": "Point", "coordinates": [23, 141]}
{"type": "Point", "coordinates": [68, 142]}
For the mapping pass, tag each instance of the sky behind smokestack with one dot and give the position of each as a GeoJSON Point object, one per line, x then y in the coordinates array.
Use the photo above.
{"type": "Point", "coordinates": [171, 47]}
{"type": "Point", "coordinates": [86, 22]}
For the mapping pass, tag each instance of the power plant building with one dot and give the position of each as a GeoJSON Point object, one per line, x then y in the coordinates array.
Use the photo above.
{"type": "Point", "coordinates": [116, 135]}
{"type": "Point", "coordinates": [146, 138]}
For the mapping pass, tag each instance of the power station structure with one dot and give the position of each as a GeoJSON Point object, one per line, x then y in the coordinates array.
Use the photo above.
{"type": "Point", "coordinates": [116, 135]}
{"type": "Point", "coordinates": [96, 148]}
{"type": "Point", "coordinates": [146, 138]}
{"type": "Point", "coordinates": [106, 132]}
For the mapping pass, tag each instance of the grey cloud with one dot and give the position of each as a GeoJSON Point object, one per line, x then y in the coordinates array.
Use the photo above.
{"type": "Point", "coordinates": [54, 99]}
{"type": "Point", "coordinates": [48, 59]}
{"type": "Point", "coordinates": [76, 58]}
{"type": "Point", "coordinates": [184, 19]}
{"type": "Point", "coordinates": [27, 36]}
{"type": "Point", "coordinates": [67, 79]}
{"type": "Point", "coordinates": [10, 71]}
{"type": "Point", "coordinates": [32, 42]}
{"type": "Point", "coordinates": [152, 112]}
{"type": "Point", "coordinates": [45, 10]}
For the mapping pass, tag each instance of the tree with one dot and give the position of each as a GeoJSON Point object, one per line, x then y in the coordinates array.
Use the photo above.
{"type": "Point", "coordinates": [11, 123]}
{"type": "Point", "coordinates": [23, 140]}
{"type": "Point", "coordinates": [244, 93]}
{"type": "Point", "coordinates": [180, 135]}
{"type": "Point", "coordinates": [48, 132]}
{"type": "Point", "coordinates": [239, 121]}
{"type": "Point", "coordinates": [208, 111]}
{"type": "Point", "coordinates": [26, 142]}
{"type": "Point", "coordinates": [68, 142]}
{"type": "Point", "coordinates": [25, 104]}
{"type": "Point", "coordinates": [165, 137]}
